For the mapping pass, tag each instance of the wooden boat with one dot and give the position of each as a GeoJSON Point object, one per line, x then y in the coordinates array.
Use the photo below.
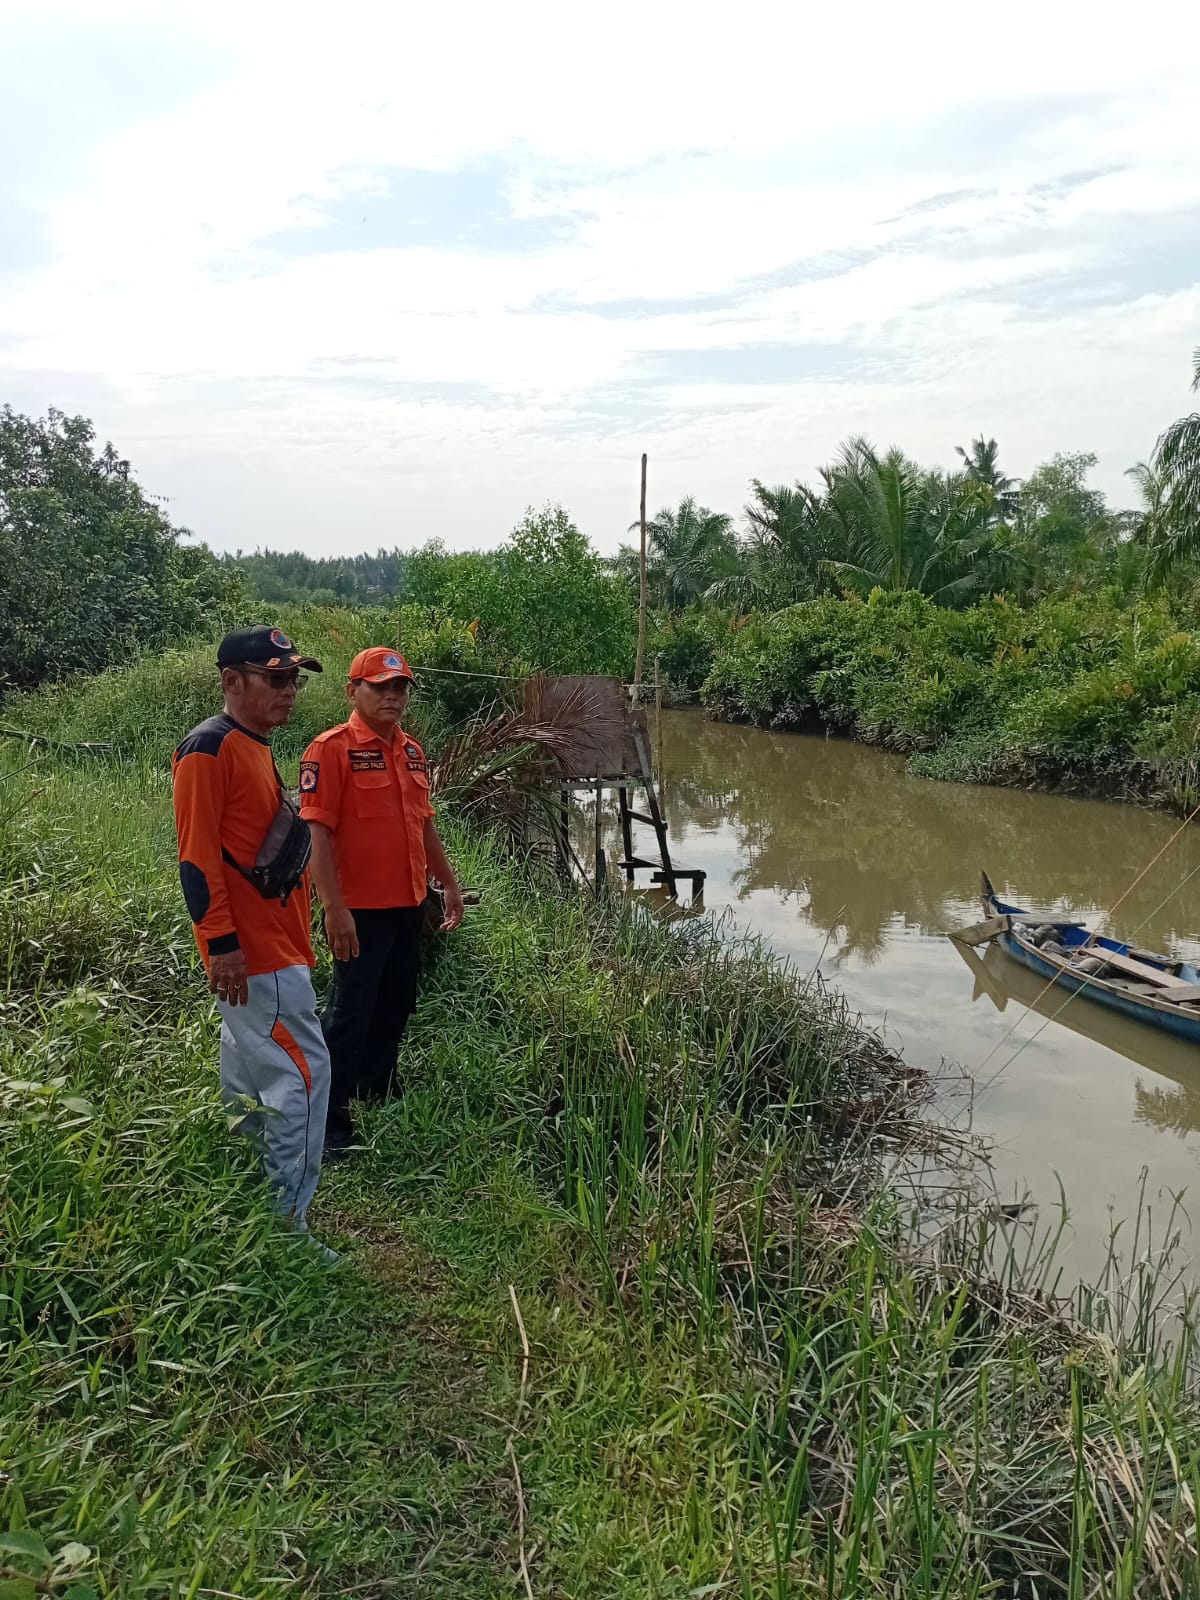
{"type": "Point", "coordinates": [1150, 988]}
{"type": "Point", "coordinates": [1007, 984]}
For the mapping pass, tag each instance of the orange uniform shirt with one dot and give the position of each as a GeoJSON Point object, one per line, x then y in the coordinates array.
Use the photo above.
{"type": "Point", "coordinates": [226, 795]}
{"type": "Point", "coordinates": [374, 797]}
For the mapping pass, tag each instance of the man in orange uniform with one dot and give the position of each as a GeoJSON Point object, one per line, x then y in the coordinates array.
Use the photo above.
{"type": "Point", "coordinates": [364, 791]}
{"type": "Point", "coordinates": [257, 950]}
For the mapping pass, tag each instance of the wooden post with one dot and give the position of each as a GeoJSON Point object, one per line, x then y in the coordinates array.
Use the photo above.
{"type": "Point", "coordinates": [601, 864]}
{"type": "Point", "coordinates": [641, 644]}
{"type": "Point", "coordinates": [658, 734]}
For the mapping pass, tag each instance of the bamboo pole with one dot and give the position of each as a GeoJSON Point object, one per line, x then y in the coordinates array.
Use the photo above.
{"type": "Point", "coordinates": [641, 644]}
{"type": "Point", "coordinates": [658, 733]}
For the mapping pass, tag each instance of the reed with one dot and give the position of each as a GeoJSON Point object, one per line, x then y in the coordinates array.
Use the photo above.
{"type": "Point", "coordinates": [760, 1365]}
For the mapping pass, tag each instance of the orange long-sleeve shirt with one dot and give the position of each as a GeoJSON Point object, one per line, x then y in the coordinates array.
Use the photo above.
{"type": "Point", "coordinates": [226, 795]}
{"type": "Point", "coordinates": [373, 794]}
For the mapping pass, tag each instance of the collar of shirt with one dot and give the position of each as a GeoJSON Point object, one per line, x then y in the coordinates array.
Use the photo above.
{"type": "Point", "coordinates": [365, 734]}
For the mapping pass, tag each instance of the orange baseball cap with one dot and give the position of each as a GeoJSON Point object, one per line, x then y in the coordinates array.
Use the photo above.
{"type": "Point", "coordinates": [379, 665]}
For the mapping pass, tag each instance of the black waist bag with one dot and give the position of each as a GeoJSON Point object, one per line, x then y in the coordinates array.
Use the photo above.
{"type": "Point", "coordinates": [282, 856]}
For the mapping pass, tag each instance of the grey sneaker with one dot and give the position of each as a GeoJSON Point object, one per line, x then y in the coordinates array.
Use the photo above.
{"type": "Point", "coordinates": [303, 1235]}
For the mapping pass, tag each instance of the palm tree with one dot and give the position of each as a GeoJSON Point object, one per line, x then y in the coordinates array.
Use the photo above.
{"type": "Point", "coordinates": [1177, 459]}
{"type": "Point", "coordinates": [785, 556]}
{"type": "Point", "coordinates": [905, 528]}
{"type": "Point", "coordinates": [1154, 491]}
{"type": "Point", "coordinates": [688, 549]}
{"type": "Point", "coordinates": [981, 465]}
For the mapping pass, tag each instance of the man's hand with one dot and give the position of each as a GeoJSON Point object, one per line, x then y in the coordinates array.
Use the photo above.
{"type": "Point", "coordinates": [454, 907]}
{"type": "Point", "coordinates": [341, 933]}
{"type": "Point", "coordinates": [227, 978]}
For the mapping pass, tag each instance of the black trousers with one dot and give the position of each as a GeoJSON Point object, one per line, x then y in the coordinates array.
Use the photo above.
{"type": "Point", "coordinates": [367, 1009]}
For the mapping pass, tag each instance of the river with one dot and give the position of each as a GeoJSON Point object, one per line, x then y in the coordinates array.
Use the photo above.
{"type": "Point", "coordinates": [846, 863]}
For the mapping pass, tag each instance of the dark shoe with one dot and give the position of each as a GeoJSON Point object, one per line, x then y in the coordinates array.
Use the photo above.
{"type": "Point", "coordinates": [340, 1133]}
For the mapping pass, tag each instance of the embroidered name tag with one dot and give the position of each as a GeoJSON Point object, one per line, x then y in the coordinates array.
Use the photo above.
{"type": "Point", "coordinates": [367, 761]}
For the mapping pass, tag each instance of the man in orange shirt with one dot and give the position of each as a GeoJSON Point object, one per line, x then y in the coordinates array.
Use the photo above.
{"type": "Point", "coordinates": [242, 864]}
{"type": "Point", "coordinates": [364, 791]}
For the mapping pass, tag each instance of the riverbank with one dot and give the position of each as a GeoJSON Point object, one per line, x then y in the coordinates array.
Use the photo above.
{"type": "Point", "coordinates": [627, 1305]}
{"type": "Point", "coordinates": [1078, 695]}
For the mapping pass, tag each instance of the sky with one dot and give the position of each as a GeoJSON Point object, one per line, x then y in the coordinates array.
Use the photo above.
{"type": "Point", "coordinates": [336, 277]}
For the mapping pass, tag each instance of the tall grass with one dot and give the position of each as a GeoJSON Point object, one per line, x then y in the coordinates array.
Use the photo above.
{"type": "Point", "coordinates": [748, 1375]}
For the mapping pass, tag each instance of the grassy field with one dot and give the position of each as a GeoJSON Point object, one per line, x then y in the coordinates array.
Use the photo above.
{"type": "Point", "coordinates": [631, 1307]}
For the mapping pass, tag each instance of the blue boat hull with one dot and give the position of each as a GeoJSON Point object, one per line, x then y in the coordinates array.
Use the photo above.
{"type": "Point", "coordinates": [1180, 1025]}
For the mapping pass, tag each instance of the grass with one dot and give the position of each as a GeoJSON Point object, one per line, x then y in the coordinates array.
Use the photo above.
{"type": "Point", "coordinates": [658, 1164]}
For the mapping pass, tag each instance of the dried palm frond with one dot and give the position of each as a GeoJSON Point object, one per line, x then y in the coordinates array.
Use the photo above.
{"type": "Point", "coordinates": [504, 772]}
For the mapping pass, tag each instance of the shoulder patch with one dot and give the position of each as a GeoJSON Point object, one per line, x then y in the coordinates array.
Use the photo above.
{"type": "Point", "coordinates": [206, 738]}
{"type": "Point", "coordinates": [310, 774]}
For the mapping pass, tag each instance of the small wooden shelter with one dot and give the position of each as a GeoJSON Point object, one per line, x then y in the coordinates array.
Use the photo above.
{"type": "Point", "coordinates": [606, 745]}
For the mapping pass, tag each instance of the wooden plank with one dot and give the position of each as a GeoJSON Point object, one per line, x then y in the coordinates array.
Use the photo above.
{"type": "Point", "coordinates": [1184, 994]}
{"type": "Point", "coordinates": [980, 932]}
{"type": "Point", "coordinates": [1037, 919]}
{"type": "Point", "coordinates": [1138, 969]}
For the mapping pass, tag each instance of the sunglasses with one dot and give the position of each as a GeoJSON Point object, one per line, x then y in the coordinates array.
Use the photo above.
{"type": "Point", "coordinates": [277, 679]}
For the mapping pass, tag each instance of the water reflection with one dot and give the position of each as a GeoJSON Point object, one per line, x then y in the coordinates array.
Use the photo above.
{"type": "Point", "coordinates": [845, 830]}
{"type": "Point", "coordinates": [1172, 1107]}
{"type": "Point", "coordinates": [844, 862]}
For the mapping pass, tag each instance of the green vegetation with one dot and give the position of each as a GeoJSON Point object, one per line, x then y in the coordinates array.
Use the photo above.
{"type": "Point", "coordinates": [1076, 692]}
{"type": "Point", "coordinates": [744, 1376]}
{"type": "Point", "coordinates": [999, 631]}
{"type": "Point", "coordinates": [1175, 541]}
{"type": "Point", "coordinates": [91, 571]}
{"type": "Point", "coordinates": [542, 599]}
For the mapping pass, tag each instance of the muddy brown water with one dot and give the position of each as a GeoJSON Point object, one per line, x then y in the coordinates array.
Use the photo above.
{"type": "Point", "coordinates": [846, 863]}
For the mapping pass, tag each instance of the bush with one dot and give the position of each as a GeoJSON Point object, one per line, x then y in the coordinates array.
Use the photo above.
{"type": "Point", "coordinates": [686, 644]}
{"type": "Point", "coordinates": [1078, 692]}
{"type": "Point", "coordinates": [144, 708]}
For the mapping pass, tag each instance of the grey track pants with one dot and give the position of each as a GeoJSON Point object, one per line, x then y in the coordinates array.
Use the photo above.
{"type": "Point", "coordinates": [273, 1058]}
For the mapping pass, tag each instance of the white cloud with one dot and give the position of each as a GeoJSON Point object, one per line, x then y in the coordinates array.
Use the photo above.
{"type": "Point", "coordinates": [909, 194]}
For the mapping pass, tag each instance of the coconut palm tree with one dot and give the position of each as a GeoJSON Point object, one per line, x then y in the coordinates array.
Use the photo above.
{"type": "Point", "coordinates": [784, 557]}
{"type": "Point", "coordinates": [1154, 491]}
{"type": "Point", "coordinates": [1177, 459]}
{"type": "Point", "coordinates": [905, 528]}
{"type": "Point", "coordinates": [688, 549]}
{"type": "Point", "coordinates": [981, 465]}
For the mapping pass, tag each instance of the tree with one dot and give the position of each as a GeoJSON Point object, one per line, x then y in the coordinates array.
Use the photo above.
{"type": "Point", "coordinates": [688, 550]}
{"type": "Point", "coordinates": [291, 577]}
{"type": "Point", "coordinates": [981, 465]}
{"type": "Point", "coordinates": [90, 568]}
{"type": "Point", "coordinates": [1177, 459]}
{"type": "Point", "coordinates": [1149, 521]}
{"type": "Point", "coordinates": [906, 528]}
{"type": "Point", "coordinates": [1062, 531]}
{"type": "Point", "coordinates": [790, 544]}
{"type": "Point", "coordinates": [552, 603]}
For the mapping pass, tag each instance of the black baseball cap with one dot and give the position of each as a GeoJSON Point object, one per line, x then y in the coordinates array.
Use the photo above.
{"type": "Point", "coordinates": [262, 646]}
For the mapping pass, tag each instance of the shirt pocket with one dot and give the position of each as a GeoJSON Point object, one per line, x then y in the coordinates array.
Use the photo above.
{"type": "Point", "coordinates": [420, 783]}
{"type": "Point", "coordinates": [375, 795]}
